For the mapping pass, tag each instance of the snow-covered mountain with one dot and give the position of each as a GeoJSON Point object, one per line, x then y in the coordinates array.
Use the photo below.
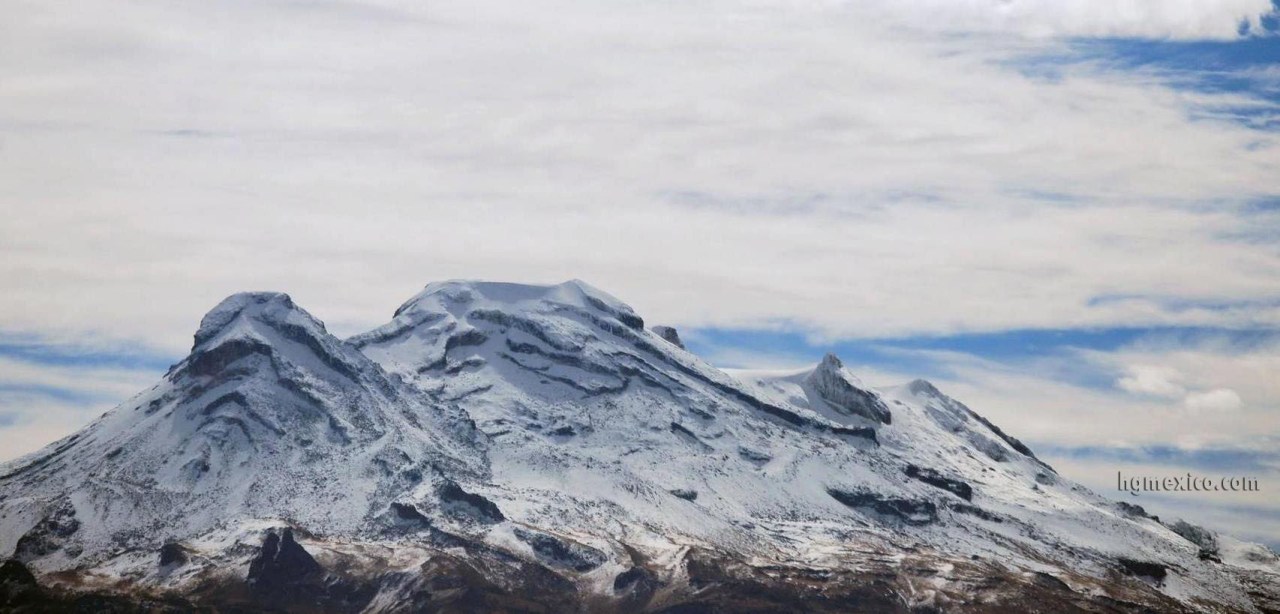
{"type": "Point", "coordinates": [503, 447]}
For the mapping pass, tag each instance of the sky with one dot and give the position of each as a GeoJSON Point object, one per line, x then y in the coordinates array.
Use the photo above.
{"type": "Point", "coordinates": [1064, 213]}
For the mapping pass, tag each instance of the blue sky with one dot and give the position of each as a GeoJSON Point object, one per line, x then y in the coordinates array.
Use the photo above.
{"type": "Point", "coordinates": [1065, 216]}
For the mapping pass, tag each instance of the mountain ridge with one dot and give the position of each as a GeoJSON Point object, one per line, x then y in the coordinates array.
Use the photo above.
{"type": "Point", "coordinates": [538, 445]}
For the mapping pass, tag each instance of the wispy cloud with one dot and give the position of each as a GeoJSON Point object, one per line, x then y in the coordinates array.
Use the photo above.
{"type": "Point", "coordinates": [46, 394]}
{"type": "Point", "coordinates": [853, 169]}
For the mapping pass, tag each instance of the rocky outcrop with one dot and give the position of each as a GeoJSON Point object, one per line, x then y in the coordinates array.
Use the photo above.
{"type": "Point", "coordinates": [831, 383]}
{"type": "Point", "coordinates": [457, 501]}
{"type": "Point", "coordinates": [1199, 536]}
{"type": "Point", "coordinates": [172, 554]}
{"type": "Point", "coordinates": [669, 335]}
{"type": "Point", "coordinates": [49, 535]}
{"type": "Point", "coordinates": [282, 562]}
{"type": "Point", "coordinates": [1156, 572]}
{"type": "Point", "coordinates": [933, 478]}
{"type": "Point", "coordinates": [17, 585]}
{"type": "Point", "coordinates": [906, 511]}
{"type": "Point", "coordinates": [561, 553]}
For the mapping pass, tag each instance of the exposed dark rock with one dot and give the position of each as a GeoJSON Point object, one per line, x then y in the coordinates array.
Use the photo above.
{"type": "Point", "coordinates": [669, 335]}
{"type": "Point", "coordinates": [564, 431]}
{"type": "Point", "coordinates": [1133, 510]}
{"type": "Point", "coordinates": [237, 405]}
{"type": "Point", "coordinates": [1048, 581]}
{"type": "Point", "coordinates": [722, 585]}
{"type": "Point", "coordinates": [215, 360]}
{"type": "Point", "coordinates": [20, 592]}
{"type": "Point", "coordinates": [590, 391]}
{"type": "Point", "coordinates": [1197, 535]}
{"type": "Point", "coordinates": [687, 495]}
{"type": "Point", "coordinates": [754, 456]}
{"type": "Point", "coordinates": [905, 510]}
{"type": "Point", "coordinates": [471, 362]}
{"type": "Point", "coordinates": [468, 338]}
{"type": "Point", "coordinates": [1208, 555]}
{"type": "Point", "coordinates": [172, 553]}
{"type": "Point", "coordinates": [829, 382]}
{"type": "Point", "coordinates": [285, 578]}
{"type": "Point", "coordinates": [306, 337]}
{"type": "Point", "coordinates": [15, 573]}
{"type": "Point", "coordinates": [17, 584]}
{"type": "Point", "coordinates": [409, 514]}
{"type": "Point", "coordinates": [689, 437]}
{"type": "Point", "coordinates": [527, 325]}
{"type": "Point", "coordinates": [860, 432]}
{"type": "Point", "coordinates": [281, 563]}
{"type": "Point", "coordinates": [48, 535]}
{"type": "Point", "coordinates": [931, 477]}
{"type": "Point", "coordinates": [628, 318]}
{"type": "Point", "coordinates": [561, 553]}
{"type": "Point", "coordinates": [637, 578]}
{"type": "Point", "coordinates": [475, 506]}
{"type": "Point", "coordinates": [974, 510]}
{"type": "Point", "coordinates": [1144, 569]}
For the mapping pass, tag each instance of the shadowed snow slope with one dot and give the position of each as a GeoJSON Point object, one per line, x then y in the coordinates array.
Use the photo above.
{"type": "Point", "coordinates": [537, 444]}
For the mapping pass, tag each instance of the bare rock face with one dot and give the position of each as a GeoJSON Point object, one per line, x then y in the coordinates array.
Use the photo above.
{"type": "Point", "coordinates": [172, 554]}
{"type": "Point", "coordinates": [907, 511]}
{"type": "Point", "coordinates": [17, 584]}
{"type": "Point", "coordinates": [281, 563]}
{"type": "Point", "coordinates": [457, 501]}
{"type": "Point", "coordinates": [834, 386]}
{"type": "Point", "coordinates": [669, 335]}
{"type": "Point", "coordinates": [50, 535]}
{"type": "Point", "coordinates": [933, 478]}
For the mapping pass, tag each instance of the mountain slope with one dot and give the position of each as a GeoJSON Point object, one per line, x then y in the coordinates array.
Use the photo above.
{"type": "Point", "coordinates": [504, 446]}
{"type": "Point", "coordinates": [269, 416]}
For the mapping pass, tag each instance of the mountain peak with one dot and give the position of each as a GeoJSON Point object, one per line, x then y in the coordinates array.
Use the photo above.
{"type": "Point", "coordinates": [923, 387]}
{"type": "Point", "coordinates": [844, 393]}
{"type": "Point", "coordinates": [465, 291]}
{"type": "Point", "coordinates": [460, 305]}
{"type": "Point", "coordinates": [245, 310]}
{"type": "Point", "coordinates": [831, 362]}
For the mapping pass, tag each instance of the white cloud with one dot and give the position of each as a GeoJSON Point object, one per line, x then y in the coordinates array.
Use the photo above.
{"type": "Point", "coordinates": [1153, 380]}
{"type": "Point", "coordinates": [1165, 382]}
{"type": "Point", "coordinates": [93, 382]}
{"type": "Point", "coordinates": [711, 162]}
{"type": "Point", "coordinates": [1217, 400]}
{"type": "Point", "coordinates": [1051, 399]}
{"type": "Point", "coordinates": [1131, 18]}
{"type": "Point", "coordinates": [40, 402]}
